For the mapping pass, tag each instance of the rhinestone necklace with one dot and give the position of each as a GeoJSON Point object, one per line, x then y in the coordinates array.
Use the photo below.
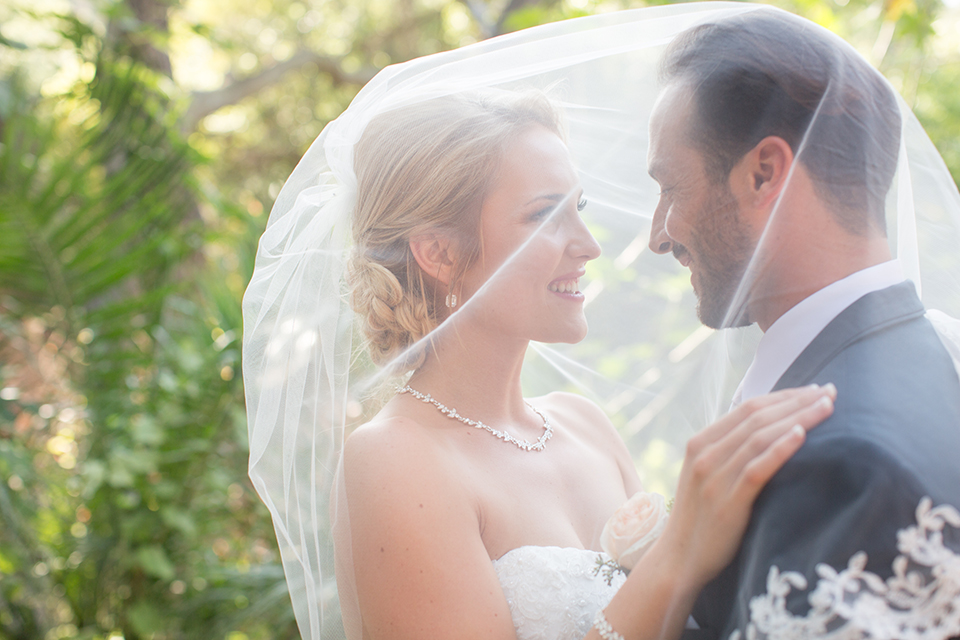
{"type": "Point", "coordinates": [506, 437]}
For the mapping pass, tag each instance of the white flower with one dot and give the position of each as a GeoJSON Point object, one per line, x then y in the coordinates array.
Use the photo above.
{"type": "Point", "coordinates": [634, 527]}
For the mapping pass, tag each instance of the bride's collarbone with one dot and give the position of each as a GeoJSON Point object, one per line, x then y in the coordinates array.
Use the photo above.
{"type": "Point", "coordinates": [567, 473]}
{"type": "Point", "coordinates": [570, 470]}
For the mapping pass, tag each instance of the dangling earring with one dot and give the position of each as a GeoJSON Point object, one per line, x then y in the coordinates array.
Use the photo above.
{"type": "Point", "coordinates": [451, 300]}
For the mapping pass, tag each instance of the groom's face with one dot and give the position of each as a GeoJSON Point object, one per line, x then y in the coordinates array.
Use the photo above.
{"type": "Point", "coordinates": [697, 218]}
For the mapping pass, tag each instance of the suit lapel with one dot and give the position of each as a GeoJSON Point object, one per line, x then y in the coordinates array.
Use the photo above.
{"type": "Point", "coordinates": [873, 312]}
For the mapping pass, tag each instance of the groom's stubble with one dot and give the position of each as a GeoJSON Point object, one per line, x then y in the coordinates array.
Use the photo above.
{"type": "Point", "coordinates": [721, 248]}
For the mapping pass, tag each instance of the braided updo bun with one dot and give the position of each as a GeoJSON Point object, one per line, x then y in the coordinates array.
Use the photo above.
{"type": "Point", "coordinates": [419, 169]}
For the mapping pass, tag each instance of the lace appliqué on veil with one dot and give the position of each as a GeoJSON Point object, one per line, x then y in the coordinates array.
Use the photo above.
{"type": "Point", "coordinates": [921, 601]}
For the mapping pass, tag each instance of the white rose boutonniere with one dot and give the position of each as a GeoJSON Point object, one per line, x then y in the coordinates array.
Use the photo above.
{"type": "Point", "coordinates": [634, 527]}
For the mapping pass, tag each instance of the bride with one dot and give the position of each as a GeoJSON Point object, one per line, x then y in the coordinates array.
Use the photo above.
{"type": "Point", "coordinates": [444, 217]}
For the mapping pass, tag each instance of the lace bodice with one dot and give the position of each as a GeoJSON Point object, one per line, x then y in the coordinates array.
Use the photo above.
{"type": "Point", "coordinates": [553, 592]}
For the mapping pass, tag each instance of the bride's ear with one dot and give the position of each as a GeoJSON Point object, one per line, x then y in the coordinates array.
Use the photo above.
{"type": "Point", "coordinates": [434, 253]}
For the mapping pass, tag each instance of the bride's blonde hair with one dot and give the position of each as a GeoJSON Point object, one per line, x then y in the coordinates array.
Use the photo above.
{"type": "Point", "coordinates": [420, 169]}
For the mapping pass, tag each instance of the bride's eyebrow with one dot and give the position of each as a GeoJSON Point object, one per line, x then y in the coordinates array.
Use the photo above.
{"type": "Point", "coordinates": [554, 197]}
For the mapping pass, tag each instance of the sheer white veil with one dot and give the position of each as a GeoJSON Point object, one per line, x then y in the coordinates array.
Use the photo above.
{"type": "Point", "coordinates": [647, 361]}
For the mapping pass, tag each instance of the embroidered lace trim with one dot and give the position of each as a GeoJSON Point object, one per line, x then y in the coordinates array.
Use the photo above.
{"type": "Point", "coordinates": [921, 601]}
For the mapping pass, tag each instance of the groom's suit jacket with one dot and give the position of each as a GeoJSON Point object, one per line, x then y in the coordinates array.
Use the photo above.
{"type": "Point", "coordinates": [894, 438]}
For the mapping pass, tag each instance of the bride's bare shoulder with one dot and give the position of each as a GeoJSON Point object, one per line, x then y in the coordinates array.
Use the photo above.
{"type": "Point", "coordinates": [578, 410]}
{"type": "Point", "coordinates": [397, 449]}
{"type": "Point", "coordinates": [400, 483]}
{"type": "Point", "coordinates": [388, 436]}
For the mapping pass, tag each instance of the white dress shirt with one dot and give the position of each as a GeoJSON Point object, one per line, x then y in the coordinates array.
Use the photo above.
{"type": "Point", "coordinates": [786, 338]}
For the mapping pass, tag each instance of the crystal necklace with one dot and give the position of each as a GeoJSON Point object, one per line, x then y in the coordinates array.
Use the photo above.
{"type": "Point", "coordinates": [506, 437]}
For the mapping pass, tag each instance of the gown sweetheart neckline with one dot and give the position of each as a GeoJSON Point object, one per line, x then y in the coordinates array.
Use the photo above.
{"type": "Point", "coordinates": [545, 546]}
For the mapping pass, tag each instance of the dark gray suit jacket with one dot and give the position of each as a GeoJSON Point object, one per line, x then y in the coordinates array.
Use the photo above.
{"type": "Point", "coordinates": [893, 439]}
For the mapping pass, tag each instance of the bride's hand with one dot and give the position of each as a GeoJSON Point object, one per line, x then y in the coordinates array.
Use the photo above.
{"type": "Point", "coordinates": [725, 468]}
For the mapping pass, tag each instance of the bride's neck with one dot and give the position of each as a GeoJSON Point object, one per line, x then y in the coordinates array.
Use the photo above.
{"type": "Point", "coordinates": [478, 378]}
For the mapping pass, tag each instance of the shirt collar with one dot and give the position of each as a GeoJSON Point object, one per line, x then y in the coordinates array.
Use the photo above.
{"type": "Point", "coordinates": [786, 338]}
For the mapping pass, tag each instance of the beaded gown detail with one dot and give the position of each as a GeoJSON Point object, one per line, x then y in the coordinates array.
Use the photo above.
{"type": "Point", "coordinates": [554, 592]}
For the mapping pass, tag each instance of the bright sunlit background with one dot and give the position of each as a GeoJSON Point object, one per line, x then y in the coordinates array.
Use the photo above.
{"type": "Point", "coordinates": [142, 143]}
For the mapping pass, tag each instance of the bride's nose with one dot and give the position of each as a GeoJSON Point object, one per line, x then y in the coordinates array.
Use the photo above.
{"type": "Point", "coordinates": [582, 243]}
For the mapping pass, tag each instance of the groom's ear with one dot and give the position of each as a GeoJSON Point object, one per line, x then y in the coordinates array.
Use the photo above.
{"type": "Point", "coordinates": [434, 253]}
{"type": "Point", "coordinates": [767, 170]}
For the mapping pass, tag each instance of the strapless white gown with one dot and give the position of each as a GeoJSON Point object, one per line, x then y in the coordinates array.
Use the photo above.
{"type": "Point", "coordinates": [554, 592]}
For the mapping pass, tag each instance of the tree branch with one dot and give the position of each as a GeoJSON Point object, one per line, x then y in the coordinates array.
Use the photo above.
{"type": "Point", "coordinates": [204, 103]}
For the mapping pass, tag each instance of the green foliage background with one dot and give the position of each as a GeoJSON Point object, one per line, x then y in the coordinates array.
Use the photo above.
{"type": "Point", "coordinates": [141, 144]}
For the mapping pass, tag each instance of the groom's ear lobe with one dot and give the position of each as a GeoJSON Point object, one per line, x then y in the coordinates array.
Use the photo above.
{"type": "Point", "coordinates": [434, 253]}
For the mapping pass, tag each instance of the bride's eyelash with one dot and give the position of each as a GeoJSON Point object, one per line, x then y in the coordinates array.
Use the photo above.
{"type": "Point", "coordinates": [582, 204]}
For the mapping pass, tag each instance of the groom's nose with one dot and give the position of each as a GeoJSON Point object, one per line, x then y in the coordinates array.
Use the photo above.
{"type": "Point", "coordinates": [660, 242]}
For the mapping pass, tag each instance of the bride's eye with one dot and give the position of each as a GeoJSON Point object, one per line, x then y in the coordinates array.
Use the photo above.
{"type": "Point", "coordinates": [544, 213]}
{"type": "Point", "coordinates": [582, 204]}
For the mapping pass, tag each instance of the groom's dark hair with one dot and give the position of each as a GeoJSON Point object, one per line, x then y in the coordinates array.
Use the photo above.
{"type": "Point", "coordinates": [766, 72]}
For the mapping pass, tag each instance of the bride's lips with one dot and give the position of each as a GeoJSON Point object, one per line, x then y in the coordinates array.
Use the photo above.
{"type": "Point", "coordinates": [568, 285]}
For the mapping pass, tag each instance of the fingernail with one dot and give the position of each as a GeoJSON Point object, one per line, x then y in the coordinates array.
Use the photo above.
{"type": "Point", "coordinates": [831, 389]}
{"type": "Point", "coordinates": [798, 431]}
{"type": "Point", "coordinates": [825, 402]}
{"type": "Point", "coordinates": [813, 386]}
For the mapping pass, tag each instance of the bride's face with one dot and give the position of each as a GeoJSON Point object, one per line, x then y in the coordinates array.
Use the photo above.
{"type": "Point", "coordinates": [526, 282]}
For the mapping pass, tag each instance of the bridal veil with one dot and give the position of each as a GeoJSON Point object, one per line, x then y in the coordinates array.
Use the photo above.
{"type": "Point", "coordinates": [647, 361]}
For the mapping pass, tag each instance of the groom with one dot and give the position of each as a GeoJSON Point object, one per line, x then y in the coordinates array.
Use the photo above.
{"type": "Point", "coordinates": [775, 145]}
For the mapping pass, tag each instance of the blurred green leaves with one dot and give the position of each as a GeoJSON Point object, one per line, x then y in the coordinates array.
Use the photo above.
{"type": "Point", "coordinates": [122, 439]}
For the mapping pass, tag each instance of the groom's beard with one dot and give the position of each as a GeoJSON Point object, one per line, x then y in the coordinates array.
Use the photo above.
{"type": "Point", "coordinates": [721, 250]}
